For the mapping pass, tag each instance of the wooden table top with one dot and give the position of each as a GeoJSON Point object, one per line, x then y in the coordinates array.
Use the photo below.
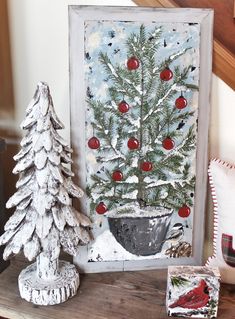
{"type": "Point", "coordinates": [118, 295]}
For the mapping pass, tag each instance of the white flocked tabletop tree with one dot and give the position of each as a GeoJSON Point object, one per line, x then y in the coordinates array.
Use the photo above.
{"type": "Point", "coordinates": [44, 221]}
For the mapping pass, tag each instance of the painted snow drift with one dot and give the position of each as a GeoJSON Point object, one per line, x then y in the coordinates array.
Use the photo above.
{"type": "Point", "coordinates": [141, 137]}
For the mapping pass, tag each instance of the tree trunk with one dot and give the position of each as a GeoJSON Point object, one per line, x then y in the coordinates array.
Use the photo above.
{"type": "Point", "coordinates": [48, 282]}
{"type": "Point", "coordinates": [47, 269]}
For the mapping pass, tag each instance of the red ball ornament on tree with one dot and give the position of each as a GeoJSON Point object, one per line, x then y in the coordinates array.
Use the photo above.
{"type": "Point", "coordinates": [117, 176]}
{"type": "Point", "coordinates": [181, 102]}
{"type": "Point", "coordinates": [184, 211]}
{"type": "Point", "coordinates": [94, 143]}
{"type": "Point", "coordinates": [123, 107]}
{"type": "Point", "coordinates": [146, 166]}
{"type": "Point", "coordinates": [133, 63]}
{"type": "Point", "coordinates": [133, 143]}
{"type": "Point", "coordinates": [101, 208]}
{"type": "Point", "coordinates": [166, 74]}
{"type": "Point", "coordinates": [168, 143]}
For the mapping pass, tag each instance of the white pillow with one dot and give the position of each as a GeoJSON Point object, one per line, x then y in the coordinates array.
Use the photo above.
{"type": "Point", "coordinates": [222, 182]}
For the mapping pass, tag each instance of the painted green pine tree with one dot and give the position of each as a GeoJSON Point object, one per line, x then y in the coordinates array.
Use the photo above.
{"type": "Point", "coordinates": [138, 139]}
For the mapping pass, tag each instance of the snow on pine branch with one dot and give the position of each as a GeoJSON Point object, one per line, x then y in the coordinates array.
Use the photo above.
{"type": "Point", "coordinates": [112, 70]}
{"type": "Point", "coordinates": [132, 179]}
{"type": "Point", "coordinates": [112, 143]}
{"type": "Point", "coordinates": [178, 54]}
{"type": "Point", "coordinates": [112, 157]}
{"type": "Point", "coordinates": [171, 59]}
{"type": "Point", "coordinates": [124, 81]}
{"type": "Point", "coordinates": [177, 150]}
{"type": "Point", "coordinates": [135, 123]}
{"type": "Point", "coordinates": [155, 34]}
{"type": "Point", "coordinates": [160, 101]}
{"type": "Point", "coordinates": [110, 195]}
{"type": "Point", "coordinates": [132, 195]}
{"type": "Point", "coordinates": [152, 183]}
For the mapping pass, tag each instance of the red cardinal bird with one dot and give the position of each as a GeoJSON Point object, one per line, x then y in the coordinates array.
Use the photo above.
{"type": "Point", "coordinates": [194, 299]}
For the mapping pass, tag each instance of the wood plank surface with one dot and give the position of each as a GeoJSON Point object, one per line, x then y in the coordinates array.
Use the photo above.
{"type": "Point", "coordinates": [118, 295]}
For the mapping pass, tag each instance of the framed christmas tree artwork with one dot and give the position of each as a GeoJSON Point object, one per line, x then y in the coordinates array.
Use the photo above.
{"type": "Point", "coordinates": [140, 88]}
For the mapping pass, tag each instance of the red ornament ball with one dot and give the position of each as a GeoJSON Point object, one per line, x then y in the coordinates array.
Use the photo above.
{"type": "Point", "coordinates": [133, 143]}
{"type": "Point", "coordinates": [168, 143]}
{"type": "Point", "coordinates": [123, 107]}
{"type": "Point", "coordinates": [133, 63]}
{"type": "Point", "coordinates": [94, 143]}
{"type": "Point", "coordinates": [184, 211]}
{"type": "Point", "coordinates": [101, 208]}
{"type": "Point", "coordinates": [146, 166]}
{"type": "Point", "coordinates": [117, 176]}
{"type": "Point", "coordinates": [166, 74]}
{"type": "Point", "coordinates": [181, 102]}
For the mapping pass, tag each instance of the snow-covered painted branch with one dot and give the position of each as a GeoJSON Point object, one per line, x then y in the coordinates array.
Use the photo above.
{"type": "Point", "coordinates": [176, 150]}
{"type": "Point", "coordinates": [155, 109]}
{"type": "Point", "coordinates": [107, 159]}
{"type": "Point", "coordinates": [124, 81]}
{"type": "Point", "coordinates": [178, 54]}
{"type": "Point", "coordinates": [154, 34]}
{"type": "Point", "coordinates": [172, 58]}
{"type": "Point", "coordinates": [112, 141]}
{"type": "Point", "coordinates": [131, 195]}
{"type": "Point", "coordinates": [154, 184]}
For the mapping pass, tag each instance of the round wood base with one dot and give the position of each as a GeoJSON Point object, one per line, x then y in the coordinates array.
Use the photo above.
{"type": "Point", "coordinates": [51, 291]}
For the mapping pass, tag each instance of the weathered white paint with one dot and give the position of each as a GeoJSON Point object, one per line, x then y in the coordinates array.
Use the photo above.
{"type": "Point", "coordinates": [44, 221]}
{"type": "Point", "coordinates": [60, 284]}
{"type": "Point", "coordinates": [205, 18]}
{"type": "Point", "coordinates": [47, 268]}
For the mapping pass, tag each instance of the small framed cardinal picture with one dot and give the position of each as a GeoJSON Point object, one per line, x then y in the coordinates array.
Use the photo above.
{"type": "Point", "coordinates": [192, 291]}
{"type": "Point", "coordinates": [140, 88]}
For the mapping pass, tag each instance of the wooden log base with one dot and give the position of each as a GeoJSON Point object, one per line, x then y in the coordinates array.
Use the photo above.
{"type": "Point", "coordinates": [45, 292]}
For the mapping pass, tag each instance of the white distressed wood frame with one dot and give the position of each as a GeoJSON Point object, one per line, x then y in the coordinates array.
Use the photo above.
{"type": "Point", "coordinates": [77, 16]}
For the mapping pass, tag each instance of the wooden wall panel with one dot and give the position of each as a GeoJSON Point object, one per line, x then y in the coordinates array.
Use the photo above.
{"type": "Point", "coordinates": [7, 130]}
{"type": "Point", "coordinates": [6, 87]}
{"type": "Point", "coordinates": [224, 24]}
{"type": "Point", "coordinates": [224, 32]}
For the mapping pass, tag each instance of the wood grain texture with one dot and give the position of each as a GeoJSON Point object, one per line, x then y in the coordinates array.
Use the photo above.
{"type": "Point", "coordinates": [42, 284]}
{"type": "Point", "coordinates": [224, 64]}
{"type": "Point", "coordinates": [224, 25]}
{"type": "Point", "coordinates": [224, 32]}
{"type": "Point", "coordinates": [6, 86]}
{"type": "Point", "coordinates": [155, 3]}
{"type": "Point", "coordinates": [117, 295]}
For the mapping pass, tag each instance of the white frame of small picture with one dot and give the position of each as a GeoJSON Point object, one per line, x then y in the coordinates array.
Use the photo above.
{"type": "Point", "coordinates": [78, 16]}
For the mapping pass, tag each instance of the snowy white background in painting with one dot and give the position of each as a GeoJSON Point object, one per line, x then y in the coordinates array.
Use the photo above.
{"type": "Point", "coordinates": [110, 37]}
